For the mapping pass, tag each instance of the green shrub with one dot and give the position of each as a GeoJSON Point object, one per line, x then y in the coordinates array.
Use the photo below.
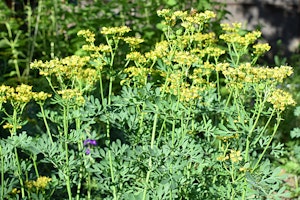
{"type": "Point", "coordinates": [195, 118]}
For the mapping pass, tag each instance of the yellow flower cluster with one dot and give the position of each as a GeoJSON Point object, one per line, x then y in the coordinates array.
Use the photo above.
{"type": "Point", "coordinates": [182, 89]}
{"type": "Point", "coordinates": [66, 66]}
{"type": "Point", "coordinates": [231, 28]}
{"type": "Point", "coordinates": [228, 137]}
{"type": "Point", "coordinates": [69, 68]}
{"type": "Point", "coordinates": [185, 58]}
{"type": "Point", "coordinates": [232, 35]}
{"type": "Point", "coordinates": [72, 94]}
{"type": "Point", "coordinates": [161, 50]}
{"type": "Point", "coordinates": [15, 191]}
{"type": "Point", "coordinates": [245, 73]}
{"type": "Point", "coordinates": [100, 48]}
{"type": "Point", "coordinates": [22, 94]}
{"type": "Point", "coordinates": [41, 96]}
{"type": "Point", "coordinates": [5, 92]}
{"type": "Point", "coordinates": [204, 70]}
{"type": "Point", "coordinates": [8, 125]}
{"type": "Point", "coordinates": [115, 30]}
{"type": "Point", "coordinates": [40, 183]}
{"type": "Point", "coordinates": [214, 51]}
{"type": "Point", "coordinates": [235, 156]}
{"type": "Point", "coordinates": [281, 99]}
{"type": "Point", "coordinates": [137, 57]}
{"type": "Point", "coordinates": [185, 17]}
{"type": "Point", "coordinates": [207, 38]}
{"type": "Point", "coordinates": [222, 158]}
{"type": "Point", "coordinates": [261, 48]}
{"type": "Point", "coordinates": [137, 75]}
{"type": "Point", "coordinates": [133, 41]}
{"type": "Point", "coordinates": [88, 35]}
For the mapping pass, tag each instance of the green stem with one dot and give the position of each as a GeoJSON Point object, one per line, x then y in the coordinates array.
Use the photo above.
{"type": "Point", "coordinates": [19, 172]}
{"type": "Point", "coordinates": [46, 123]}
{"type": "Point", "coordinates": [89, 186]}
{"type": "Point", "coordinates": [80, 148]}
{"type": "Point", "coordinates": [265, 127]}
{"type": "Point", "coordinates": [101, 86]}
{"type": "Point", "coordinates": [151, 146]}
{"type": "Point", "coordinates": [33, 157]}
{"type": "Point", "coordinates": [252, 129]}
{"type": "Point", "coordinates": [33, 43]}
{"type": "Point", "coordinates": [66, 127]}
{"type": "Point", "coordinates": [112, 176]}
{"type": "Point", "coordinates": [271, 139]}
{"type": "Point", "coordinates": [2, 173]}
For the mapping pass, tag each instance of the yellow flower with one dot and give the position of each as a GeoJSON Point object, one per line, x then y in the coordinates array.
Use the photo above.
{"type": "Point", "coordinates": [222, 158]}
{"type": "Point", "coordinates": [234, 27]}
{"type": "Point", "coordinates": [137, 57]}
{"type": "Point", "coordinates": [29, 184]}
{"type": "Point", "coordinates": [15, 191]}
{"type": "Point", "coordinates": [133, 41]}
{"type": "Point", "coordinates": [261, 48]}
{"type": "Point", "coordinates": [22, 94]}
{"type": "Point", "coordinates": [41, 182]}
{"type": "Point", "coordinates": [41, 96]}
{"type": "Point", "coordinates": [115, 30]}
{"type": "Point", "coordinates": [8, 126]}
{"type": "Point", "coordinates": [161, 49]}
{"type": "Point", "coordinates": [185, 58]}
{"type": "Point", "coordinates": [88, 35]}
{"type": "Point", "coordinates": [281, 99]}
{"type": "Point", "coordinates": [163, 12]}
{"type": "Point", "coordinates": [235, 156]}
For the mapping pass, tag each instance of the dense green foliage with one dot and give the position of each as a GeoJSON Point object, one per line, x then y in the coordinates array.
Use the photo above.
{"type": "Point", "coordinates": [133, 101]}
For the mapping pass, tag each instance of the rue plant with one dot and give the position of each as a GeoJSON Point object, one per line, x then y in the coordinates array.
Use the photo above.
{"type": "Point", "coordinates": [193, 118]}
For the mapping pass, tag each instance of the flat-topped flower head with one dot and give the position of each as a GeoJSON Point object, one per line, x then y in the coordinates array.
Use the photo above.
{"type": "Point", "coordinates": [133, 41]}
{"type": "Point", "coordinates": [260, 49]}
{"type": "Point", "coordinates": [281, 99]}
{"type": "Point", "coordinates": [41, 96]}
{"type": "Point", "coordinates": [115, 30]}
{"type": "Point", "coordinates": [41, 182]}
{"type": "Point", "coordinates": [88, 35]}
{"type": "Point", "coordinates": [235, 156]}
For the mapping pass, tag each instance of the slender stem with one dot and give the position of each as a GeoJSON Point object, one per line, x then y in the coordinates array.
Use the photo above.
{"type": "Point", "coordinates": [13, 132]}
{"type": "Point", "coordinates": [265, 127]}
{"type": "Point", "coordinates": [33, 157]}
{"type": "Point", "coordinates": [89, 186]}
{"type": "Point", "coordinates": [80, 148]}
{"type": "Point", "coordinates": [19, 172]}
{"type": "Point", "coordinates": [112, 175]}
{"type": "Point", "coordinates": [46, 123]}
{"type": "Point", "coordinates": [252, 129]}
{"type": "Point", "coordinates": [66, 127]}
{"type": "Point", "coordinates": [101, 86]}
{"type": "Point", "coordinates": [154, 128]}
{"type": "Point", "coordinates": [2, 173]}
{"type": "Point", "coordinates": [36, 27]}
{"type": "Point", "coordinates": [271, 139]}
{"type": "Point", "coordinates": [151, 146]}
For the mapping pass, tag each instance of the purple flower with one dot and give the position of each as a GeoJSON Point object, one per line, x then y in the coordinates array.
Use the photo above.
{"type": "Point", "coordinates": [89, 142]}
{"type": "Point", "coordinates": [87, 151]}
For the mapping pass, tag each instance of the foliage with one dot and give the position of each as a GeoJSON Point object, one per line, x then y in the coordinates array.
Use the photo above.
{"type": "Point", "coordinates": [195, 118]}
{"type": "Point", "coordinates": [47, 29]}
